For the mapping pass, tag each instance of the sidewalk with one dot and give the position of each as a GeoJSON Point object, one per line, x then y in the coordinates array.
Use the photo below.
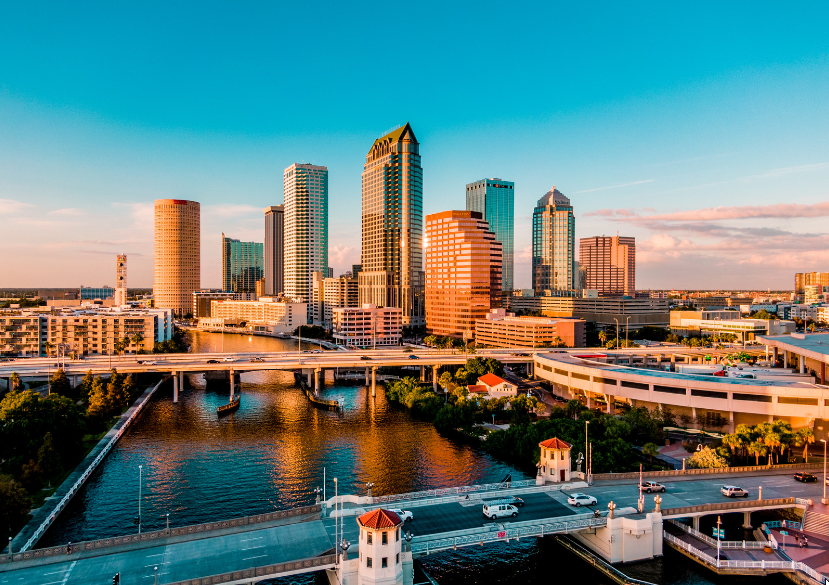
{"type": "Point", "coordinates": [726, 554]}
{"type": "Point", "coordinates": [816, 555]}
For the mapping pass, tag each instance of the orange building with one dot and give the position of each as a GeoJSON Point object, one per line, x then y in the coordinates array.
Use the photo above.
{"type": "Point", "coordinates": [463, 272]}
{"type": "Point", "coordinates": [177, 254]}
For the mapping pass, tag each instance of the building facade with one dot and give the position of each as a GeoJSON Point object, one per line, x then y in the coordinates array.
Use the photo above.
{"type": "Point", "coordinates": [804, 279]}
{"type": "Point", "coordinates": [121, 279]}
{"type": "Point", "coordinates": [274, 250]}
{"type": "Point", "coordinates": [22, 333]}
{"type": "Point", "coordinates": [609, 263]}
{"type": "Point", "coordinates": [368, 326]}
{"type": "Point", "coordinates": [495, 199]}
{"type": "Point", "coordinates": [553, 243]}
{"type": "Point", "coordinates": [331, 293]}
{"type": "Point", "coordinates": [266, 315]}
{"type": "Point", "coordinates": [203, 298]}
{"type": "Point", "coordinates": [177, 254]}
{"type": "Point", "coordinates": [392, 226]}
{"type": "Point", "coordinates": [605, 312]}
{"type": "Point", "coordinates": [243, 264]}
{"type": "Point", "coordinates": [463, 272]}
{"type": "Point", "coordinates": [306, 228]}
{"type": "Point", "coordinates": [502, 329]}
{"type": "Point", "coordinates": [91, 293]}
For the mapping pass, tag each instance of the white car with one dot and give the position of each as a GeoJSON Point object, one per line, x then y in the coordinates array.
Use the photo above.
{"type": "Point", "coordinates": [579, 500]}
{"type": "Point", "coordinates": [149, 363]}
{"type": "Point", "coordinates": [229, 359]}
{"type": "Point", "coordinates": [404, 515]}
{"type": "Point", "coordinates": [732, 491]}
{"type": "Point", "coordinates": [651, 486]}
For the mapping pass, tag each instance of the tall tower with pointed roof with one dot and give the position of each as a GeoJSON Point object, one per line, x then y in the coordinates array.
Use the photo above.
{"type": "Point", "coordinates": [554, 241]}
{"type": "Point", "coordinates": [392, 224]}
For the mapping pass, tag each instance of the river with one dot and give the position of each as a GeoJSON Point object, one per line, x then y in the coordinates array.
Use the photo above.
{"type": "Point", "coordinates": [277, 448]}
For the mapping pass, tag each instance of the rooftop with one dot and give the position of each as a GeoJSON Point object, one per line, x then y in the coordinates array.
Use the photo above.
{"type": "Point", "coordinates": [379, 519]}
{"type": "Point", "coordinates": [553, 197]}
{"type": "Point", "coordinates": [815, 343]}
{"type": "Point", "coordinates": [555, 443]}
{"type": "Point", "coordinates": [491, 380]}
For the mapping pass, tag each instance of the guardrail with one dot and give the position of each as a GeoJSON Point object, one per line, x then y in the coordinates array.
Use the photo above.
{"type": "Point", "coordinates": [706, 471]}
{"type": "Point", "coordinates": [87, 472]}
{"type": "Point", "coordinates": [436, 493]}
{"type": "Point", "coordinates": [266, 571]}
{"type": "Point", "coordinates": [502, 531]}
{"type": "Point", "coordinates": [713, 541]}
{"type": "Point", "coordinates": [730, 564]}
{"type": "Point", "coordinates": [693, 510]}
{"type": "Point", "coordinates": [783, 524]}
{"type": "Point", "coordinates": [157, 534]}
{"type": "Point", "coordinates": [598, 563]}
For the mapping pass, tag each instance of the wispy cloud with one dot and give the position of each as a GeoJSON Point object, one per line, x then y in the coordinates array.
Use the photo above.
{"type": "Point", "coordinates": [776, 211]}
{"type": "Point", "coordinates": [616, 186]}
{"type": "Point", "coordinates": [782, 172]}
{"type": "Point", "coordinates": [13, 206]}
{"type": "Point", "coordinates": [67, 211]}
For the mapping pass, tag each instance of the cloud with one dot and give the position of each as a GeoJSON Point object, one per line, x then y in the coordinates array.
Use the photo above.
{"type": "Point", "coordinates": [776, 211]}
{"type": "Point", "coordinates": [616, 186]}
{"type": "Point", "coordinates": [71, 211]}
{"type": "Point", "coordinates": [782, 172]}
{"type": "Point", "coordinates": [341, 257]}
{"type": "Point", "coordinates": [13, 206]}
{"type": "Point", "coordinates": [524, 256]}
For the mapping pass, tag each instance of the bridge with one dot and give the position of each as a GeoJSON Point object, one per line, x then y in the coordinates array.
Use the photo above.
{"type": "Point", "coordinates": [304, 540]}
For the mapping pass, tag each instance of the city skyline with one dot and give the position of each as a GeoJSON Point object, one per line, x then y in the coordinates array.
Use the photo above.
{"type": "Point", "coordinates": [696, 152]}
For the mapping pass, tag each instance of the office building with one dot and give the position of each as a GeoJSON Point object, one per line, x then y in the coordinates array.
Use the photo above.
{"type": "Point", "coordinates": [815, 293]}
{"type": "Point", "coordinates": [463, 272]}
{"type": "Point", "coordinates": [502, 329]}
{"type": "Point", "coordinates": [701, 323]}
{"type": "Point", "coordinates": [243, 264]}
{"type": "Point", "coordinates": [392, 226]}
{"type": "Point", "coordinates": [804, 279]}
{"type": "Point", "coordinates": [306, 229]}
{"type": "Point", "coordinates": [274, 249]}
{"type": "Point", "coordinates": [203, 298]}
{"type": "Point", "coordinates": [609, 263]}
{"type": "Point", "coordinates": [605, 312]}
{"type": "Point", "coordinates": [177, 254]}
{"type": "Point", "coordinates": [553, 243]}
{"type": "Point", "coordinates": [368, 326]}
{"type": "Point", "coordinates": [265, 315]}
{"type": "Point", "coordinates": [332, 293]}
{"type": "Point", "coordinates": [495, 199]}
{"type": "Point", "coordinates": [91, 293]}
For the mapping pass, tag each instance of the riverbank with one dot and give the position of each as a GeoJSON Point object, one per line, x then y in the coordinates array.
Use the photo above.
{"type": "Point", "coordinates": [240, 331]}
{"type": "Point", "coordinates": [44, 516]}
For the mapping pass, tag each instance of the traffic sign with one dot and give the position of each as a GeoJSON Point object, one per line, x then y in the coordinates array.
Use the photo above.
{"type": "Point", "coordinates": [784, 533]}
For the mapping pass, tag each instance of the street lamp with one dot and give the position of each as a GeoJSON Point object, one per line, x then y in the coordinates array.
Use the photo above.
{"type": "Point", "coordinates": [139, 498]}
{"type": "Point", "coordinates": [627, 329]}
{"type": "Point", "coordinates": [587, 452]}
{"type": "Point", "coordinates": [823, 500]}
{"type": "Point", "coordinates": [617, 332]}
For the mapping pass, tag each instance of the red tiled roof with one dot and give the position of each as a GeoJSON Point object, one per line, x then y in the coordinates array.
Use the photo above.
{"type": "Point", "coordinates": [475, 389]}
{"type": "Point", "coordinates": [555, 443]}
{"type": "Point", "coordinates": [491, 380]}
{"type": "Point", "coordinates": [379, 519]}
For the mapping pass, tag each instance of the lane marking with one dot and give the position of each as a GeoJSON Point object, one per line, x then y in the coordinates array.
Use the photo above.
{"type": "Point", "coordinates": [253, 547]}
{"type": "Point", "coordinates": [69, 572]}
{"type": "Point", "coordinates": [253, 538]}
{"type": "Point", "coordinates": [158, 555]}
{"type": "Point", "coordinates": [157, 564]}
{"type": "Point", "coordinates": [256, 557]}
{"type": "Point", "coordinates": [55, 572]}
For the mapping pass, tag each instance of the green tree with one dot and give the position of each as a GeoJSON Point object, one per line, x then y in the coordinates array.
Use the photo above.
{"type": "Point", "coordinates": [804, 438]}
{"type": "Point", "coordinates": [650, 450]}
{"type": "Point", "coordinates": [98, 406]}
{"type": "Point", "coordinates": [86, 385]}
{"type": "Point", "coordinates": [706, 458]}
{"type": "Point", "coordinates": [60, 384]}
{"type": "Point", "coordinates": [14, 505]}
{"type": "Point", "coordinates": [758, 449]}
{"type": "Point", "coordinates": [14, 382]}
{"type": "Point", "coordinates": [30, 477]}
{"type": "Point", "coordinates": [479, 366]}
{"type": "Point", "coordinates": [445, 379]}
{"type": "Point", "coordinates": [48, 458]}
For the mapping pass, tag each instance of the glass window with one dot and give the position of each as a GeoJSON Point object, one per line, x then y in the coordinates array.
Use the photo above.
{"type": "Point", "coordinates": [368, 537]}
{"type": "Point", "coordinates": [384, 563]}
{"type": "Point", "coordinates": [368, 562]}
{"type": "Point", "coordinates": [385, 538]}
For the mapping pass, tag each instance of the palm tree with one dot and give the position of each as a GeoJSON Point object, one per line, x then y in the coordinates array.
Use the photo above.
{"type": "Point", "coordinates": [772, 440]}
{"type": "Point", "coordinates": [734, 443]}
{"type": "Point", "coordinates": [803, 439]}
{"type": "Point", "coordinates": [651, 450]}
{"type": "Point", "coordinates": [137, 338]}
{"type": "Point", "coordinates": [602, 337]}
{"type": "Point", "coordinates": [757, 449]}
{"type": "Point", "coordinates": [48, 345]}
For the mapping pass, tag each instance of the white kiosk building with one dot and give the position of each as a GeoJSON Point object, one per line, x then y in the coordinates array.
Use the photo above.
{"type": "Point", "coordinates": [554, 462]}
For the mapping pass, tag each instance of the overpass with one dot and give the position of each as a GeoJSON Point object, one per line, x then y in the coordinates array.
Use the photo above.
{"type": "Point", "coordinates": [304, 540]}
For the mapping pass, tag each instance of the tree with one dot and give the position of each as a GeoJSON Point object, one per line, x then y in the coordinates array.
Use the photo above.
{"type": "Point", "coordinates": [60, 384]}
{"type": "Point", "coordinates": [430, 340]}
{"type": "Point", "coordinates": [86, 385]}
{"type": "Point", "coordinates": [602, 337]}
{"type": "Point", "coordinates": [651, 450]}
{"type": "Point", "coordinates": [686, 419]}
{"type": "Point", "coordinates": [804, 438]}
{"type": "Point", "coordinates": [98, 405]}
{"type": "Point", "coordinates": [706, 458]}
{"type": "Point", "coordinates": [14, 382]}
{"type": "Point", "coordinates": [30, 477]}
{"type": "Point", "coordinates": [445, 379]}
{"type": "Point", "coordinates": [120, 345]}
{"type": "Point", "coordinates": [48, 345]}
{"type": "Point", "coordinates": [137, 338]}
{"type": "Point", "coordinates": [14, 504]}
{"type": "Point", "coordinates": [573, 408]}
{"type": "Point", "coordinates": [758, 449]}
{"type": "Point", "coordinates": [48, 458]}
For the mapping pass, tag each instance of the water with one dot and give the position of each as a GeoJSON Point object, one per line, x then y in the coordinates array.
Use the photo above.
{"type": "Point", "coordinates": [270, 455]}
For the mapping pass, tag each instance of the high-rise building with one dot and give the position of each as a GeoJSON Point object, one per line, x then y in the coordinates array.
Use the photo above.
{"type": "Point", "coordinates": [392, 250]}
{"type": "Point", "coordinates": [121, 279]}
{"type": "Point", "coordinates": [329, 294]}
{"type": "Point", "coordinates": [495, 198]}
{"type": "Point", "coordinates": [243, 263]}
{"type": "Point", "coordinates": [609, 263]}
{"type": "Point", "coordinates": [463, 272]}
{"type": "Point", "coordinates": [306, 229]}
{"type": "Point", "coordinates": [274, 249]}
{"type": "Point", "coordinates": [177, 268]}
{"type": "Point", "coordinates": [804, 279]}
{"type": "Point", "coordinates": [554, 229]}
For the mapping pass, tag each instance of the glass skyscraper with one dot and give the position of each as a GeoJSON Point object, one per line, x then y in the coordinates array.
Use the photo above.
{"type": "Point", "coordinates": [554, 229]}
{"type": "Point", "coordinates": [495, 199]}
{"type": "Point", "coordinates": [243, 263]}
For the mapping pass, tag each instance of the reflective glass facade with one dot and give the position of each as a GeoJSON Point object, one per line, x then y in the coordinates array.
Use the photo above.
{"type": "Point", "coordinates": [495, 199]}
{"type": "Point", "coordinates": [243, 263]}
{"type": "Point", "coordinates": [554, 229]}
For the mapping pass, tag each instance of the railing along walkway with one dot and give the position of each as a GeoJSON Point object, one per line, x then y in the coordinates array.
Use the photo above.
{"type": "Point", "coordinates": [266, 571]}
{"type": "Point", "coordinates": [739, 544]}
{"type": "Point", "coordinates": [739, 505]}
{"type": "Point", "coordinates": [461, 490]}
{"type": "Point", "coordinates": [707, 471]}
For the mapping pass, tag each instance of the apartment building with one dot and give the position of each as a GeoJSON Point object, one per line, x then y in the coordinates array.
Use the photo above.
{"type": "Point", "coordinates": [502, 329]}
{"type": "Point", "coordinates": [368, 326]}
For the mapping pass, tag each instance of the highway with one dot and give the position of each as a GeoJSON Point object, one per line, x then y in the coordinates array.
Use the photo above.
{"type": "Point", "coordinates": [257, 547]}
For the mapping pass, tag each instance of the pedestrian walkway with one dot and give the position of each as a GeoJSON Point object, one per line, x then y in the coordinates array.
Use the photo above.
{"type": "Point", "coordinates": [816, 555]}
{"type": "Point", "coordinates": [726, 554]}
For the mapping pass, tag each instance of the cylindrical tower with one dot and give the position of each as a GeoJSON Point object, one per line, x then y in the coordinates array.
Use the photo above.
{"type": "Point", "coordinates": [381, 561]}
{"type": "Point", "coordinates": [177, 254]}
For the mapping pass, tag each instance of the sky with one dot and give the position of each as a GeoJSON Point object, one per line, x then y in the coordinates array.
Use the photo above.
{"type": "Point", "coordinates": [701, 129]}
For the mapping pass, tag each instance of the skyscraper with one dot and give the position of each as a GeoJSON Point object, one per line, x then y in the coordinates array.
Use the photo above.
{"type": "Point", "coordinates": [306, 228]}
{"type": "Point", "coordinates": [496, 200]}
{"type": "Point", "coordinates": [121, 280]}
{"type": "Point", "coordinates": [274, 249]}
{"type": "Point", "coordinates": [243, 263]}
{"type": "Point", "coordinates": [392, 250]}
{"type": "Point", "coordinates": [553, 243]}
{"type": "Point", "coordinates": [463, 272]}
{"type": "Point", "coordinates": [609, 263]}
{"type": "Point", "coordinates": [177, 266]}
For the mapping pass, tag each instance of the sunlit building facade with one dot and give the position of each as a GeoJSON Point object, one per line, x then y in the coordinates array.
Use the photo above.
{"type": "Point", "coordinates": [177, 254]}
{"type": "Point", "coordinates": [554, 229]}
{"type": "Point", "coordinates": [609, 264]}
{"type": "Point", "coordinates": [243, 264]}
{"type": "Point", "coordinates": [274, 249]}
{"type": "Point", "coordinates": [495, 199]}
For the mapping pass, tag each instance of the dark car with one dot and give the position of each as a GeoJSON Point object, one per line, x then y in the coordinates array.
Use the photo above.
{"type": "Point", "coordinates": [364, 357]}
{"type": "Point", "coordinates": [804, 477]}
{"type": "Point", "coordinates": [256, 359]}
{"type": "Point", "coordinates": [515, 501]}
{"type": "Point", "coordinates": [212, 361]}
{"type": "Point", "coordinates": [413, 357]}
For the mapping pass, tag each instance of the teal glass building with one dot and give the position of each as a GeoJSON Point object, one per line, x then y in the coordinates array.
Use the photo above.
{"type": "Point", "coordinates": [243, 263]}
{"type": "Point", "coordinates": [495, 199]}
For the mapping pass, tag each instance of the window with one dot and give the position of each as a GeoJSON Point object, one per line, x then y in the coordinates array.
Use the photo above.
{"type": "Point", "coordinates": [610, 381]}
{"type": "Point", "coordinates": [580, 376]}
{"type": "Point", "coordinates": [668, 389]}
{"type": "Point", "coordinates": [751, 397]}
{"type": "Point", "coordinates": [709, 394]}
{"type": "Point", "coordinates": [385, 539]}
{"type": "Point", "coordinates": [384, 562]}
{"type": "Point", "coordinates": [797, 400]}
{"type": "Point", "coordinates": [368, 562]}
{"type": "Point", "coordinates": [637, 385]}
{"type": "Point", "coordinates": [368, 539]}
{"type": "Point", "coordinates": [397, 559]}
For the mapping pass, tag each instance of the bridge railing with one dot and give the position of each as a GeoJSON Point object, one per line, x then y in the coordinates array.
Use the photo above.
{"type": "Point", "coordinates": [157, 534]}
{"type": "Point", "coordinates": [266, 571]}
{"type": "Point", "coordinates": [742, 544]}
{"type": "Point", "coordinates": [452, 491]}
{"type": "Point", "coordinates": [722, 506]}
{"type": "Point", "coordinates": [706, 471]}
{"type": "Point", "coordinates": [783, 524]}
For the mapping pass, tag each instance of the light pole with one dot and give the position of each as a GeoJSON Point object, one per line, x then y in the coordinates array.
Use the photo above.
{"type": "Point", "coordinates": [336, 518]}
{"type": "Point", "coordinates": [587, 452]}
{"type": "Point", "coordinates": [617, 332]}
{"type": "Point", "coordinates": [823, 500]}
{"type": "Point", "coordinates": [627, 329]}
{"type": "Point", "coordinates": [139, 498]}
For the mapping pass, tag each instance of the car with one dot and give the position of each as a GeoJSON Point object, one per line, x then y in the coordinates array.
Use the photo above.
{"type": "Point", "coordinates": [521, 355]}
{"type": "Point", "coordinates": [515, 501]}
{"type": "Point", "coordinates": [495, 511]}
{"type": "Point", "coordinates": [733, 491]}
{"type": "Point", "coordinates": [651, 486]}
{"type": "Point", "coordinates": [579, 500]}
{"type": "Point", "coordinates": [149, 363]}
{"type": "Point", "coordinates": [212, 361]}
{"type": "Point", "coordinates": [364, 357]}
{"type": "Point", "coordinates": [804, 476]}
{"type": "Point", "coordinates": [317, 351]}
{"type": "Point", "coordinates": [256, 359]}
{"type": "Point", "coordinates": [413, 357]}
{"type": "Point", "coordinates": [404, 515]}
{"type": "Point", "coordinates": [229, 359]}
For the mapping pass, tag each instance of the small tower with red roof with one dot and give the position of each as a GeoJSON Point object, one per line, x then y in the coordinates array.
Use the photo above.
{"type": "Point", "coordinates": [554, 462]}
{"type": "Point", "coordinates": [381, 550]}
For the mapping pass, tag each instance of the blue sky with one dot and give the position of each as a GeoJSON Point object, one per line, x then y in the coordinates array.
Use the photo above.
{"type": "Point", "coordinates": [701, 130]}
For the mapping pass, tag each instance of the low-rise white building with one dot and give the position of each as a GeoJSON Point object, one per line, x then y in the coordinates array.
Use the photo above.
{"type": "Point", "coordinates": [497, 387]}
{"type": "Point", "coordinates": [266, 315]}
{"type": "Point", "coordinates": [367, 326]}
{"type": "Point", "coordinates": [554, 461]}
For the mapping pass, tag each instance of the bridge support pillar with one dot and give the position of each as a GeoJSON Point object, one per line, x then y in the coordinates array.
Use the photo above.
{"type": "Point", "coordinates": [232, 389]}
{"type": "Point", "coordinates": [175, 387]}
{"type": "Point", "coordinates": [317, 381]}
{"type": "Point", "coordinates": [422, 373]}
{"type": "Point", "coordinates": [310, 379]}
{"type": "Point", "coordinates": [695, 522]}
{"type": "Point", "coordinates": [609, 403]}
{"type": "Point", "coordinates": [802, 362]}
{"type": "Point", "coordinates": [774, 355]}
{"type": "Point", "coordinates": [785, 359]}
{"type": "Point", "coordinates": [367, 378]}
{"type": "Point", "coordinates": [747, 520]}
{"type": "Point", "coordinates": [374, 380]}
{"type": "Point", "coordinates": [435, 369]}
